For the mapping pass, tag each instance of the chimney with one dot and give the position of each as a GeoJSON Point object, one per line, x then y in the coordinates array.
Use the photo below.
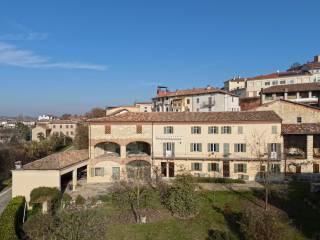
{"type": "Point", "coordinates": [18, 165]}
{"type": "Point", "coordinates": [316, 58]}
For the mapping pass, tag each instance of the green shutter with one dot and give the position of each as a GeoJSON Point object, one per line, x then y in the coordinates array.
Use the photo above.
{"type": "Point", "coordinates": [217, 147]}
{"type": "Point", "coordinates": [191, 150]}
{"type": "Point", "coordinates": [235, 167]}
{"type": "Point", "coordinates": [173, 149]}
{"type": "Point", "coordinates": [235, 148]}
{"type": "Point", "coordinates": [92, 172]}
{"type": "Point", "coordinates": [200, 147]}
{"type": "Point", "coordinates": [245, 147]}
{"type": "Point", "coordinates": [200, 166]}
{"type": "Point", "coordinates": [192, 166]}
{"type": "Point", "coordinates": [209, 167]}
{"type": "Point", "coordinates": [164, 149]}
{"type": "Point", "coordinates": [245, 168]}
{"type": "Point", "coordinates": [217, 165]}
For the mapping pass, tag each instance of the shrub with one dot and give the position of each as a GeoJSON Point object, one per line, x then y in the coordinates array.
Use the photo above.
{"type": "Point", "coordinates": [218, 180]}
{"type": "Point", "coordinates": [10, 219]}
{"type": "Point", "coordinates": [80, 200]}
{"type": "Point", "coordinates": [66, 199]}
{"type": "Point", "coordinates": [182, 199]}
{"type": "Point", "coordinates": [260, 225]}
{"type": "Point", "coordinates": [215, 234]}
{"type": "Point", "coordinates": [42, 194]}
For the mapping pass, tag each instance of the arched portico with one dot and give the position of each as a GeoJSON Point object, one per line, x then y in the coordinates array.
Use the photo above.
{"type": "Point", "coordinates": [108, 149]}
{"type": "Point", "coordinates": [138, 148]}
{"type": "Point", "coordinates": [138, 170]}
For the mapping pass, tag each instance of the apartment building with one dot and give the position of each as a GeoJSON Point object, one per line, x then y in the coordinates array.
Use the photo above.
{"type": "Point", "coordinates": [137, 107]}
{"type": "Point", "coordinates": [216, 144]}
{"type": "Point", "coordinates": [207, 99]}
{"type": "Point", "coordinates": [305, 73]}
{"type": "Point", "coordinates": [44, 129]}
{"type": "Point", "coordinates": [307, 93]}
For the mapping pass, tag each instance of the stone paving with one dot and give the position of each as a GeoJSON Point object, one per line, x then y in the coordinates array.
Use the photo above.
{"type": "Point", "coordinates": [5, 197]}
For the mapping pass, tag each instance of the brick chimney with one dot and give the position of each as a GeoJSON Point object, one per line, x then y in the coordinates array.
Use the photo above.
{"type": "Point", "coordinates": [316, 58]}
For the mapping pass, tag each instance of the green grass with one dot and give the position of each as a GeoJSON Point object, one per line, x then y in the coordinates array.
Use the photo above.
{"type": "Point", "coordinates": [210, 216]}
{"type": "Point", "coordinates": [6, 182]}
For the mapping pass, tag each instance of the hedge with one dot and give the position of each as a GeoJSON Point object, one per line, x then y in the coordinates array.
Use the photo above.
{"type": "Point", "coordinates": [11, 218]}
{"type": "Point", "coordinates": [218, 180]}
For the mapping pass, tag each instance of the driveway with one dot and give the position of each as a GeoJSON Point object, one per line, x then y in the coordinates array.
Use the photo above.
{"type": "Point", "coordinates": [5, 197]}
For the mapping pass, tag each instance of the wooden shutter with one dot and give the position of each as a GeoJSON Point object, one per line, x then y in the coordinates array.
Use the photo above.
{"type": "Point", "coordinates": [278, 151]}
{"type": "Point", "coordinates": [191, 150]}
{"type": "Point", "coordinates": [200, 166]}
{"type": "Point", "coordinates": [217, 147]}
{"type": "Point", "coordinates": [192, 166]}
{"type": "Point", "coordinates": [209, 167]}
{"type": "Point", "coordinates": [217, 167]}
{"type": "Point", "coordinates": [245, 147]}
{"type": "Point", "coordinates": [235, 167]}
{"type": "Point", "coordinates": [164, 149]}
{"type": "Point", "coordinates": [209, 150]}
{"type": "Point", "coordinates": [139, 129]}
{"type": "Point", "coordinates": [235, 147]}
{"type": "Point", "coordinates": [269, 150]}
{"type": "Point", "coordinates": [92, 172]}
{"type": "Point", "coordinates": [245, 168]}
{"type": "Point", "coordinates": [200, 147]}
{"type": "Point", "coordinates": [173, 149]}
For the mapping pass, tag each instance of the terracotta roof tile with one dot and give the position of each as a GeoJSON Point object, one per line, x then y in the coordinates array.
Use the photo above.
{"type": "Point", "coordinates": [58, 161]}
{"type": "Point", "coordinates": [303, 128]}
{"type": "Point", "coordinates": [191, 117]}
{"type": "Point", "coordinates": [292, 88]}
{"type": "Point", "coordinates": [194, 91]}
{"type": "Point", "coordinates": [278, 75]}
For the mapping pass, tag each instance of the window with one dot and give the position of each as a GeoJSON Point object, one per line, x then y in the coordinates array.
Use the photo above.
{"type": "Point", "coordinates": [54, 126]}
{"type": "Point", "coordinates": [273, 147]}
{"type": "Point", "coordinates": [196, 166]}
{"type": "Point", "coordinates": [299, 119]}
{"type": "Point", "coordinates": [240, 168]}
{"type": "Point", "coordinates": [67, 126]}
{"type": "Point", "coordinates": [226, 149]}
{"type": "Point", "coordinates": [240, 147]}
{"type": "Point", "coordinates": [198, 100]}
{"type": "Point", "coordinates": [71, 133]}
{"type": "Point", "coordinates": [71, 126]}
{"type": "Point", "coordinates": [282, 81]}
{"type": "Point", "coordinates": [60, 126]}
{"type": "Point", "coordinates": [198, 109]}
{"type": "Point", "coordinates": [274, 130]}
{"type": "Point", "coordinates": [67, 133]}
{"type": "Point", "coordinates": [240, 130]}
{"type": "Point", "coordinates": [97, 171]}
{"type": "Point", "coordinates": [213, 147]}
{"type": "Point", "coordinates": [291, 81]}
{"type": "Point", "coordinates": [168, 130]}
{"type": "Point", "coordinates": [107, 129]}
{"type": "Point", "coordinates": [226, 130]}
{"type": "Point", "coordinates": [213, 167]}
{"type": "Point", "coordinates": [275, 168]}
{"type": "Point", "coordinates": [168, 149]}
{"type": "Point", "coordinates": [275, 82]}
{"type": "Point", "coordinates": [139, 129]}
{"type": "Point", "coordinates": [267, 83]}
{"type": "Point", "coordinates": [213, 130]}
{"type": "Point", "coordinates": [188, 101]}
{"type": "Point", "coordinates": [195, 147]}
{"type": "Point", "coordinates": [195, 130]}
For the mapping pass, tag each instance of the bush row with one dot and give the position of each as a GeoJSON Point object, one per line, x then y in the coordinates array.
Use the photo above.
{"type": "Point", "coordinates": [10, 219]}
{"type": "Point", "coordinates": [218, 180]}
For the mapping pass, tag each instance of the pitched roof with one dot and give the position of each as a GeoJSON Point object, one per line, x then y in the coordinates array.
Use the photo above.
{"type": "Point", "coordinates": [302, 128]}
{"type": "Point", "coordinates": [193, 91]}
{"type": "Point", "coordinates": [300, 87]}
{"type": "Point", "coordinates": [264, 116]}
{"type": "Point", "coordinates": [278, 75]}
{"type": "Point", "coordinates": [289, 102]}
{"type": "Point", "coordinates": [58, 161]}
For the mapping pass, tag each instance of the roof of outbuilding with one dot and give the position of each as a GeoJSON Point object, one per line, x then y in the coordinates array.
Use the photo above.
{"type": "Point", "coordinates": [302, 128]}
{"type": "Point", "coordinates": [278, 75]}
{"type": "Point", "coordinates": [58, 161]}
{"type": "Point", "coordinates": [262, 116]}
{"type": "Point", "coordinates": [193, 91]}
{"type": "Point", "coordinates": [314, 86]}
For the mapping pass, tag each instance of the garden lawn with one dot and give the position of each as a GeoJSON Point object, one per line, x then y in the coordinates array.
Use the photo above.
{"type": "Point", "coordinates": [211, 216]}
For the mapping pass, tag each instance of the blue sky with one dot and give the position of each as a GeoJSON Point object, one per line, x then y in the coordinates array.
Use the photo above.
{"type": "Point", "coordinates": [68, 56]}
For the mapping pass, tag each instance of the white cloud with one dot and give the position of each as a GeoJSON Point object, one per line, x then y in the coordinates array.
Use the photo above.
{"type": "Point", "coordinates": [29, 36]}
{"type": "Point", "coordinates": [10, 55]}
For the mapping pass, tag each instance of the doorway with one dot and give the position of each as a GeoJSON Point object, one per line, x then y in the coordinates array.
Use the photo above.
{"type": "Point", "coordinates": [226, 169]}
{"type": "Point", "coordinates": [167, 169]}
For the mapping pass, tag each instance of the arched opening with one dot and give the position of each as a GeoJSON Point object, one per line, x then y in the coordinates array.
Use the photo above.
{"type": "Point", "coordinates": [138, 149]}
{"type": "Point", "coordinates": [138, 170]}
{"type": "Point", "coordinates": [107, 149]}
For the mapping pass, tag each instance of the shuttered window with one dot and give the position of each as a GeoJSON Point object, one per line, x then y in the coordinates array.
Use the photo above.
{"type": "Point", "coordinates": [213, 147]}
{"type": "Point", "coordinates": [196, 166]}
{"type": "Point", "coordinates": [195, 147]}
{"type": "Point", "coordinates": [97, 172]}
{"type": "Point", "coordinates": [196, 130]}
{"type": "Point", "coordinates": [240, 147]}
{"type": "Point", "coordinates": [139, 129]}
{"type": "Point", "coordinates": [240, 167]}
{"type": "Point", "coordinates": [213, 167]}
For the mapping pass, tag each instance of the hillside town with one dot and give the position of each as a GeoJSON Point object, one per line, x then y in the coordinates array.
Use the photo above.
{"type": "Point", "coordinates": [178, 120]}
